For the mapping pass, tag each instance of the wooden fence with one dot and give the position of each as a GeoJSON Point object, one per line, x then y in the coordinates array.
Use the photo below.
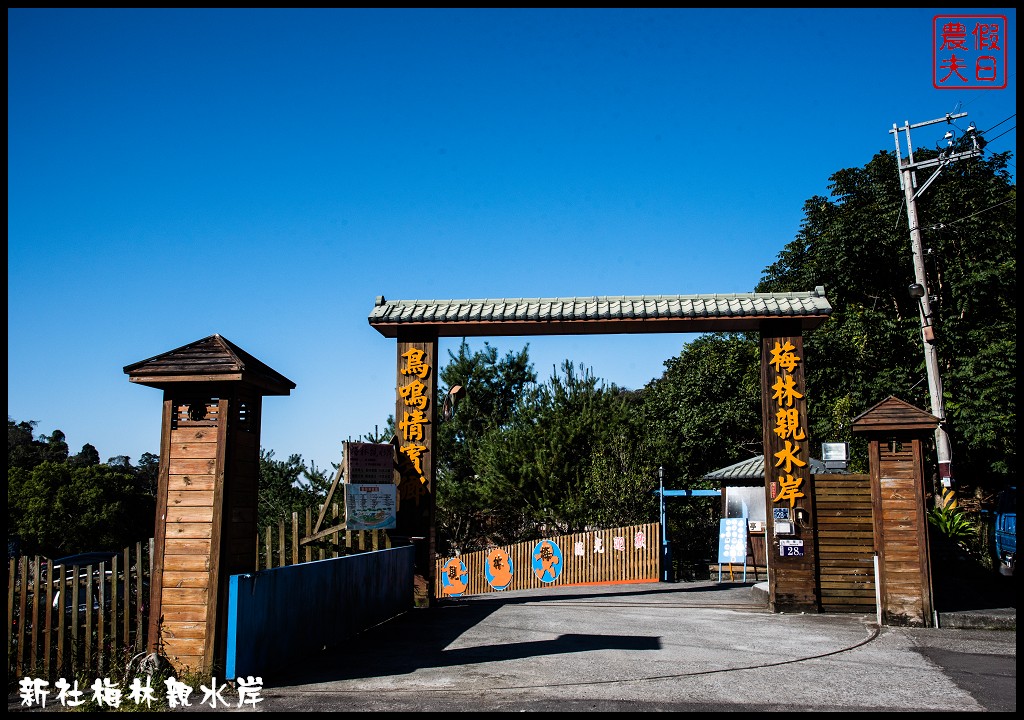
{"type": "Point", "coordinates": [846, 543]}
{"type": "Point", "coordinates": [50, 635]}
{"type": "Point", "coordinates": [619, 555]}
{"type": "Point", "coordinates": [68, 620]}
{"type": "Point", "coordinates": [287, 544]}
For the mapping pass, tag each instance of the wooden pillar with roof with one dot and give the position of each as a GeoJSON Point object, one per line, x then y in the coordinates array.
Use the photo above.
{"type": "Point", "coordinates": [897, 434]}
{"type": "Point", "coordinates": [207, 494]}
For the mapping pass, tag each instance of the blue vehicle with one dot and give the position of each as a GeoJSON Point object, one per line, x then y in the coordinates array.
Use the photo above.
{"type": "Point", "coordinates": [1006, 530]}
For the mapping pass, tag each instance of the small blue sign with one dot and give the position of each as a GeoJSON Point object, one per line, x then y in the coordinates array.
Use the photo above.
{"type": "Point", "coordinates": [791, 548]}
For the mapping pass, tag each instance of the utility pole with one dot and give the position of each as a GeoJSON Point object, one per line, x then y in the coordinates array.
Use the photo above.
{"type": "Point", "coordinates": [907, 168]}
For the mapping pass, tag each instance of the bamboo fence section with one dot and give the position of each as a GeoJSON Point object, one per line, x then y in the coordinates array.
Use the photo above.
{"type": "Point", "coordinates": [618, 555]}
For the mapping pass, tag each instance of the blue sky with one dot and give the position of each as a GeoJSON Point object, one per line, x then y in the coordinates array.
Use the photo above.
{"type": "Point", "coordinates": [265, 174]}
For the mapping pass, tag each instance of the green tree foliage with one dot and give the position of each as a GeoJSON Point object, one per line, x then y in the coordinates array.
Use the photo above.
{"type": "Point", "coordinates": [704, 412]}
{"type": "Point", "coordinates": [284, 488]}
{"type": "Point", "coordinates": [89, 455]}
{"type": "Point", "coordinates": [491, 388]}
{"type": "Point", "coordinates": [519, 459]}
{"type": "Point", "coordinates": [148, 471]}
{"type": "Point", "coordinates": [623, 469]}
{"type": "Point", "coordinates": [536, 469]}
{"type": "Point", "coordinates": [60, 506]}
{"type": "Point", "coordinates": [24, 450]}
{"type": "Point", "coordinates": [856, 244]}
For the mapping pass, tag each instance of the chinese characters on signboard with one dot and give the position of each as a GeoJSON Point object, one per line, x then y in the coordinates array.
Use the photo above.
{"type": "Point", "coordinates": [969, 52]}
{"type": "Point", "coordinates": [412, 426]}
{"type": "Point", "coordinates": [369, 462]}
{"type": "Point", "coordinates": [370, 507]}
{"type": "Point", "coordinates": [34, 692]}
{"type": "Point", "coordinates": [787, 484]}
{"type": "Point", "coordinates": [371, 500]}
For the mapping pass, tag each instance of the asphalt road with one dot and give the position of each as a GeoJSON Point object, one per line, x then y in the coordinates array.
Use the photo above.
{"type": "Point", "coordinates": [648, 647]}
{"type": "Point", "coordinates": [700, 646]}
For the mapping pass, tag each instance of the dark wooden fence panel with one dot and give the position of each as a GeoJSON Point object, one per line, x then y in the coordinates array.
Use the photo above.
{"type": "Point", "coordinates": [845, 537]}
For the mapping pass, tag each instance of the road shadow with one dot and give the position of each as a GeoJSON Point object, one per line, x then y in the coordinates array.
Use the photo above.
{"type": "Point", "coordinates": [421, 638]}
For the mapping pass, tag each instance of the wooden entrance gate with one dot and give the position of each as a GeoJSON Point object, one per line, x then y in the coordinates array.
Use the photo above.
{"type": "Point", "coordinates": [779, 318]}
{"type": "Point", "coordinates": [845, 539]}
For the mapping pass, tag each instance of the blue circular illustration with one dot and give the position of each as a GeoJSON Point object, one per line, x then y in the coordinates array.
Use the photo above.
{"type": "Point", "coordinates": [454, 577]}
{"type": "Point", "coordinates": [498, 569]}
{"type": "Point", "coordinates": [547, 561]}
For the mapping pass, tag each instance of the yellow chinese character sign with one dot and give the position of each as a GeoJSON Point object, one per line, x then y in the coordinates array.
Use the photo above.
{"type": "Point", "coordinates": [786, 442]}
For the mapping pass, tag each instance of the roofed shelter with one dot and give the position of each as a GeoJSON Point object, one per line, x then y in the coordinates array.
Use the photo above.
{"type": "Point", "coordinates": [207, 494]}
{"type": "Point", "coordinates": [897, 432]}
{"type": "Point", "coordinates": [780, 318]}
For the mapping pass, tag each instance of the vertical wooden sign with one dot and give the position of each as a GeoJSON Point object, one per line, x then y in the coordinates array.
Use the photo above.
{"type": "Point", "coordinates": [416, 431]}
{"type": "Point", "coordinates": [789, 492]}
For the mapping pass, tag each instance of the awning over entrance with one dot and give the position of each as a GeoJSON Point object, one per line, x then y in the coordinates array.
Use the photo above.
{"type": "Point", "coordinates": [735, 312]}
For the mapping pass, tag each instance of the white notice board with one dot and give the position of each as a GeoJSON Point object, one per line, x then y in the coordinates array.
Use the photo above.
{"type": "Point", "coordinates": [732, 541]}
{"type": "Point", "coordinates": [370, 506]}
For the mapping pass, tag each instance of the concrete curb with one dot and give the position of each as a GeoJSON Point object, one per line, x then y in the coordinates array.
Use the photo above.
{"type": "Point", "coordinates": [760, 593]}
{"type": "Point", "coordinates": [992, 619]}
{"type": "Point", "coordinates": [989, 619]}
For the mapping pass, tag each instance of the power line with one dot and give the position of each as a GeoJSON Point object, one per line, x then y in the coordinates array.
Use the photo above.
{"type": "Point", "coordinates": [1004, 132]}
{"type": "Point", "coordinates": [939, 226]}
{"type": "Point", "coordinates": [1000, 123]}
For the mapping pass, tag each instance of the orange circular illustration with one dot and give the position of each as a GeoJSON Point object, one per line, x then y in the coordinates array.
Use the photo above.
{"type": "Point", "coordinates": [454, 577]}
{"type": "Point", "coordinates": [499, 569]}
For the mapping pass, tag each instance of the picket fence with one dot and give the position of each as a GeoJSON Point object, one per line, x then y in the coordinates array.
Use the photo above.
{"type": "Point", "coordinates": [68, 621]}
{"type": "Point", "coordinates": [288, 544]}
{"type": "Point", "coordinates": [50, 636]}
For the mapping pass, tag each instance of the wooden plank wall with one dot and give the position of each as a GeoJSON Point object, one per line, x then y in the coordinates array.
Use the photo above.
{"type": "Point", "coordinates": [618, 555]}
{"type": "Point", "coordinates": [846, 548]}
{"type": "Point", "coordinates": [901, 531]}
{"type": "Point", "coordinates": [186, 569]}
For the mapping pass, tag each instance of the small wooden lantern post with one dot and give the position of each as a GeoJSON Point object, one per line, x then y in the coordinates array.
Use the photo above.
{"type": "Point", "coordinates": [207, 493]}
{"type": "Point", "coordinates": [896, 432]}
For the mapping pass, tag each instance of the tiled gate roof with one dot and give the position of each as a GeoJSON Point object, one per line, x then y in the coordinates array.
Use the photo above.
{"type": "Point", "coordinates": [609, 314]}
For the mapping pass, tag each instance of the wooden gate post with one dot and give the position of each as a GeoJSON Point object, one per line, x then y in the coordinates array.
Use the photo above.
{"type": "Point", "coordinates": [207, 492]}
{"type": "Point", "coordinates": [416, 433]}
{"type": "Point", "coordinates": [790, 543]}
{"type": "Point", "coordinates": [896, 433]}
